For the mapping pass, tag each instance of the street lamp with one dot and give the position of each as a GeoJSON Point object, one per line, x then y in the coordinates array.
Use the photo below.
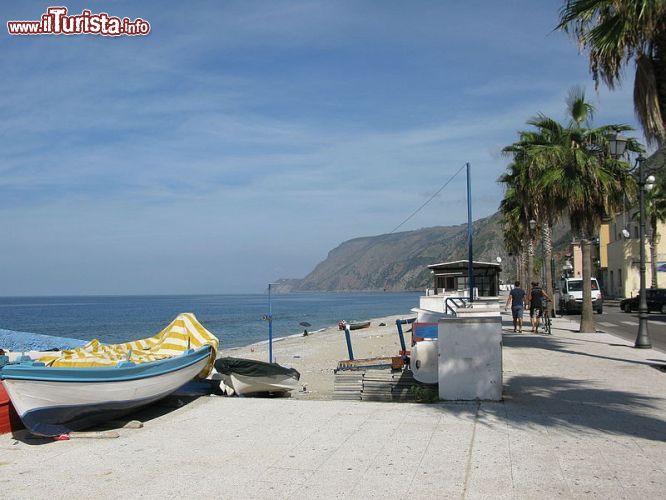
{"type": "Point", "coordinates": [567, 269]}
{"type": "Point", "coordinates": [617, 146]}
{"type": "Point", "coordinates": [644, 184]}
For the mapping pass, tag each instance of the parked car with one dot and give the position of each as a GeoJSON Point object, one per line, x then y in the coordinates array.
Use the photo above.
{"type": "Point", "coordinates": [655, 298]}
{"type": "Point", "coordinates": [571, 296]}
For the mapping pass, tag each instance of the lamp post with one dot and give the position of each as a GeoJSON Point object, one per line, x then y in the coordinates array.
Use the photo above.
{"type": "Point", "coordinates": [617, 146]}
{"type": "Point", "coordinates": [643, 337]}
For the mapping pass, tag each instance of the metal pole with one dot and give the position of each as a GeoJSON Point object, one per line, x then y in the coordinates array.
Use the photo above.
{"type": "Point", "coordinates": [470, 265]}
{"type": "Point", "coordinates": [349, 345]}
{"type": "Point", "coordinates": [270, 326]}
{"type": "Point", "coordinates": [643, 337]}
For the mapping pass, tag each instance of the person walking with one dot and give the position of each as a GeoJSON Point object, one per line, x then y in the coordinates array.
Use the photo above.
{"type": "Point", "coordinates": [517, 301]}
{"type": "Point", "coordinates": [537, 295]}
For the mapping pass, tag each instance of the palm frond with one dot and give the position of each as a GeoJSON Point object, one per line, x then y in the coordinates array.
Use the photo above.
{"type": "Point", "coordinates": [617, 33]}
{"type": "Point", "coordinates": [646, 101]}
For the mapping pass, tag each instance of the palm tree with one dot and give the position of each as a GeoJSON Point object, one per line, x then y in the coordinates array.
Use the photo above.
{"type": "Point", "coordinates": [549, 213]}
{"type": "Point", "coordinates": [515, 206]}
{"type": "Point", "coordinates": [582, 178]}
{"type": "Point", "coordinates": [513, 228]}
{"type": "Point", "coordinates": [544, 207]}
{"type": "Point", "coordinates": [617, 32]}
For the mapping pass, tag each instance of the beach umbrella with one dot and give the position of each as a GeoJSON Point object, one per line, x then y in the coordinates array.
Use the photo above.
{"type": "Point", "coordinates": [305, 324]}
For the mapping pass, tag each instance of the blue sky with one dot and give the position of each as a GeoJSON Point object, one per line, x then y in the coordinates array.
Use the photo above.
{"type": "Point", "coordinates": [241, 141]}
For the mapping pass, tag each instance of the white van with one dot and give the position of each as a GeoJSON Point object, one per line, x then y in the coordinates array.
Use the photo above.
{"type": "Point", "coordinates": [571, 296]}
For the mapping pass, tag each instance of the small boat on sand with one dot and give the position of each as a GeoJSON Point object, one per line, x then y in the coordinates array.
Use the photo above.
{"type": "Point", "coordinates": [248, 376]}
{"type": "Point", "coordinates": [354, 325]}
{"type": "Point", "coordinates": [76, 389]}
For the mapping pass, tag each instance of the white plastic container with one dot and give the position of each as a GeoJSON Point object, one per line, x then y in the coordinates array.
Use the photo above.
{"type": "Point", "coordinates": [424, 361]}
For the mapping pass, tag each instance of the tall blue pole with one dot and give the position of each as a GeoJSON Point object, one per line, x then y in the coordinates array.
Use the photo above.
{"type": "Point", "coordinates": [348, 339]}
{"type": "Point", "coordinates": [470, 265]}
{"type": "Point", "coordinates": [270, 326]}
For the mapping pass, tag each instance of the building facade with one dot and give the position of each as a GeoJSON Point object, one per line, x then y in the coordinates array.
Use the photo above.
{"type": "Point", "coordinates": [452, 277]}
{"type": "Point", "coordinates": [619, 256]}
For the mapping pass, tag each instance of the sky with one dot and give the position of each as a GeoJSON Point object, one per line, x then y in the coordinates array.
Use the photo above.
{"type": "Point", "coordinates": [240, 141]}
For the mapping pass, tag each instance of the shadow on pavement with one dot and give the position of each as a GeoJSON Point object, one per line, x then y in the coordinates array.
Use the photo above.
{"type": "Point", "coordinates": [559, 402]}
{"type": "Point", "coordinates": [574, 404]}
{"type": "Point", "coordinates": [155, 410]}
{"type": "Point", "coordinates": [561, 345]}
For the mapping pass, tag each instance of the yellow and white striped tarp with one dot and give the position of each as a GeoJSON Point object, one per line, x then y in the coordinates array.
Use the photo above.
{"type": "Point", "coordinates": [182, 333]}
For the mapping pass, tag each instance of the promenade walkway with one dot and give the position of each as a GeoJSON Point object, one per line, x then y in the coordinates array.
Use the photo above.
{"type": "Point", "coordinates": [584, 416]}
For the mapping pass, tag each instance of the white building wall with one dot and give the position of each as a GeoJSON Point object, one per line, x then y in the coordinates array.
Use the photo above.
{"type": "Point", "coordinates": [470, 358]}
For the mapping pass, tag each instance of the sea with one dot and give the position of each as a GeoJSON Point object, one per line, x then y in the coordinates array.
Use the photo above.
{"type": "Point", "coordinates": [237, 320]}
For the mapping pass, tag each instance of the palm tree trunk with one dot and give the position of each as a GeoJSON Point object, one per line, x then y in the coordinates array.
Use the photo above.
{"type": "Point", "coordinates": [587, 316]}
{"type": "Point", "coordinates": [653, 251]}
{"type": "Point", "coordinates": [523, 268]}
{"type": "Point", "coordinates": [548, 258]}
{"type": "Point", "coordinates": [530, 261]}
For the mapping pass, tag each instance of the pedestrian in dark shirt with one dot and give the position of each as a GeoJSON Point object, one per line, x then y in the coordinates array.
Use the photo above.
{"type": "Point", "coordinates": [537, 296]}
{"type": "Point", "coordinates": [517, 301]}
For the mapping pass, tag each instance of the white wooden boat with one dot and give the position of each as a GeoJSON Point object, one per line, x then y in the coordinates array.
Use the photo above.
{"type": "Point", "coordinates": [77, 388]}
{"type": "Point", "coordinates": [55, 400]}
{"type": "Point", "coordinates": [249, 376]}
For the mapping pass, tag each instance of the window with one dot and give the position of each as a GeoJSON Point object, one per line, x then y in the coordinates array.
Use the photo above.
{"type": "Point", "coordinates": [577, 285]}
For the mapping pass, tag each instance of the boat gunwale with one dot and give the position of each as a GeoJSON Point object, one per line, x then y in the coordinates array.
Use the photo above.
{"type": "Point", "coordinates": [102, 374]}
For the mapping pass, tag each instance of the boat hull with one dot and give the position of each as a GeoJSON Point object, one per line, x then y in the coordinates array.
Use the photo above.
{"type": "Point", "coordinates": [249, 376]}
{"type": "Point", "coordinates": [244, 385]}
{"type": "Point", "coordinates": [343, 325]}
{"type": "Point", "coordinates": [51, 401]}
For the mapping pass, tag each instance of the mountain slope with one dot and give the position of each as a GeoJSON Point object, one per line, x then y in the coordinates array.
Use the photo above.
{"type": "Point", "coordinates": [399, 261]}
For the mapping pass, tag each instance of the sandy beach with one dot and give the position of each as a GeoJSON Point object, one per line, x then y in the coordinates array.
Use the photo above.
{"type": "Point", "coordinates": [316, 356]}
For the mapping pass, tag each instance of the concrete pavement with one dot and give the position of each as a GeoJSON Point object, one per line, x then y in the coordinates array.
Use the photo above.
{"type": "Point", "coordinates": [584, 415]}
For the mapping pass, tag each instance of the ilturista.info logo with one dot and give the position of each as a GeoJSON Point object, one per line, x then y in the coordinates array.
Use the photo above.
{"type": "Point", "coordinates": [57, 21]}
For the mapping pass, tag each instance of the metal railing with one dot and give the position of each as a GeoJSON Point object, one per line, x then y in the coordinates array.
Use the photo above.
{"type": "Point", "coordinates": [450, 302]}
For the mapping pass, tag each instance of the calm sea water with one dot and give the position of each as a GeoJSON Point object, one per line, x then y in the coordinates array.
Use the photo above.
{"type": "Point", "coordinates": [234, 319]}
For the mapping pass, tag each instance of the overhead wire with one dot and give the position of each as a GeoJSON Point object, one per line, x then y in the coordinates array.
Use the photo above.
{"type": "Point", "coordinates": [377, 241]}
{"type": "Point", "coordinates": [429, 199]}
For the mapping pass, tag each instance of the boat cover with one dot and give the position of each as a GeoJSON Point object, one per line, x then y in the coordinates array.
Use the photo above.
{"type": "Point", "coordinates": [183, 333]}
{"type": "Point", "coordinates": [253, 368]}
